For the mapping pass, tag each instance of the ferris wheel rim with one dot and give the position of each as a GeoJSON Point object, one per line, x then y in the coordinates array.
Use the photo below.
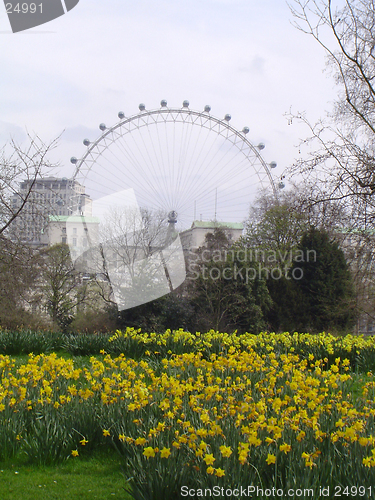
{"type": "Point", "coordinates": [164, 110]}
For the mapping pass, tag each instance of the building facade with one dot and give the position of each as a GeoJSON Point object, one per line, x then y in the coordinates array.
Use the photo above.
{"type": "Point", "coordinates": [78, 231]}
{"type": "Point", "coordinates": [45, 197]}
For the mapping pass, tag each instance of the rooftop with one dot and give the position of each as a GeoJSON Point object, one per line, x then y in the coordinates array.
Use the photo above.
{"type": "Point", "coordinates": [213, 224]}
{"type": "Point", "coordinates": [73, 218]}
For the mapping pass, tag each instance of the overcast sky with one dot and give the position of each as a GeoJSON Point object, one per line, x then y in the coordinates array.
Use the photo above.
{"type": "Point", "coordinates": [242, 57]}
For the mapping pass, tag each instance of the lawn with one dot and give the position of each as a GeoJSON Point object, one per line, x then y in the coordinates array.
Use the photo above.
{"type": "Point", "coordinates": [99, 478]}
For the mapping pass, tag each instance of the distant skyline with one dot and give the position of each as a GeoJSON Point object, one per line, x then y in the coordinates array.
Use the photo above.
{"type": "Point", "coordinates": [241, 57]}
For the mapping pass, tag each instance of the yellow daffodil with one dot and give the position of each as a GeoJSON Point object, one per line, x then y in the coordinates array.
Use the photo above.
{"type": "Point", "coordinates": [165, 452]}
{"type": "Point", "coordinates": [286, 448]}
{"type": "Point", "coordinates": [219, 472]}
{"type": "Point", "coordinates": [209, 459]}
{"type": "Point", "coordinates": [140, 441]}
{"type": "Point", "coordinates": [225, 451]}
{"type": "Point", "coordinates": [271, 459]}
{"type": "Point", "coordinates": [149, 452]}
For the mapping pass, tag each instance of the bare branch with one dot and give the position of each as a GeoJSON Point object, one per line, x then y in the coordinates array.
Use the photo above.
{"type": "Point", "coordinates": [23, 163]}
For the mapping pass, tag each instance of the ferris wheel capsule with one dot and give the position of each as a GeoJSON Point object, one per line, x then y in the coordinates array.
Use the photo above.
{"type": "Point", "coordinates": [281, 185]}
{"type": "Point", "coordinates": [163, 103]}
{"type": "Point", "coordinates": [142, 107]}
{"type": "Point", "coordinates": [102, 126]}
{"type": "Point", "coordinates": [121, 115]}
{"type": "Point", "coordinates": [273, 164]}
{"type": "Point", "coordinates": [185, 104]}
{"type": "Point", "coordinates": [245, 130]}
{"type": "Point", "coordinates": [73, 160]}
{"type": "Point", "coordinates": [86, 142]}
{"type": "Point", "coordinates": [207, 108]}
{"type": "Point", "coordinates": [261, 145]}
{"type": "Point", "coordinates": [227, 117]}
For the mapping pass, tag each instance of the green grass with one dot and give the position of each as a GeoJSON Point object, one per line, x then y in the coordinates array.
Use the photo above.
{"type": "Point", "coordinates": [356, 384]}
{"type": "Point", "coordinates": [97, 478]}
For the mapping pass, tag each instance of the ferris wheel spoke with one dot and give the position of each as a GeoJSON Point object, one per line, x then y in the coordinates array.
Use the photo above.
{"type": "Point", "coordinates": [157, 160]}
{"type": "Point", "coordinates": [199, 165]}
{"type": "Point", "coordinates": [212, 170]}
{"type": "Point", "coordinates": [150, 167]}
{"type": "Point", "coordinates": [131, 180]}
{"type": "Point", "coordinates": [117, 162]}
{"type": "Point", "coordinates": [143, 174]}
{"type": "Point", "coordinates": [189, 171]}
{"type": "Point", "coordinates": [237, 186]}
{"type": "Point", "coordinates": [146, 170]}
{"type": "Point", "coordinates": [197, 160]}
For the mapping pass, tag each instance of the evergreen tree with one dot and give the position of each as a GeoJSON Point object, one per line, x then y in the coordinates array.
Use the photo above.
{"type": "Point", "coordinates": [324, 285]}
{"type": "Point", "coordinates": [282, 316]}
{"type": "Point", "coordinates": [224, 295]}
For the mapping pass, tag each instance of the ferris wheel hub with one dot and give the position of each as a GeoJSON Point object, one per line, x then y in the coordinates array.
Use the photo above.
{"type": "Point", "coordinates": [172, 217]}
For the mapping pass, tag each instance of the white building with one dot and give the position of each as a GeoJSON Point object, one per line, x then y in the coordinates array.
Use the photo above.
{"type": "Point", "coordinates": [76, 231]}
{"type": "Point", "coordinates": [195, 236]}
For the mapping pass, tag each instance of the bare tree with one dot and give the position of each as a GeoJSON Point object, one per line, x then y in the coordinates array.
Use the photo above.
{"type": "Point", "coordinates": [278, 223]}
{"type": "Point", "coordinates": [22, 163]}
{"type": "Point", "coordinates": [337, 158]}
{"type": "Point", "coordinates": [59, 286]}
{"type": "Point", "coordinates": [19, 163]}
{"type": "Point", "coordinates": [341, 147]}
{"type": "Point", "coordinates": [17, 281]}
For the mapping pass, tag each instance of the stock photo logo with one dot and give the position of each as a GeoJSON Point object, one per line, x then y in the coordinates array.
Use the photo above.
{"type": "Point", "coordinates": [29, 14]}
{"type": "Point", "coordinates": [135, 260]}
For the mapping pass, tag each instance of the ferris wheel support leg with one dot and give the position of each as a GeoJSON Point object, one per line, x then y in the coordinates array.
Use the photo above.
{"type": "Point", "coordinates": [167, 275]}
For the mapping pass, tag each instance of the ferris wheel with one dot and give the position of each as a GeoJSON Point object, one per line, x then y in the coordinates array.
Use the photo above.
{"type": "Point", "coordinates": [187, 163]}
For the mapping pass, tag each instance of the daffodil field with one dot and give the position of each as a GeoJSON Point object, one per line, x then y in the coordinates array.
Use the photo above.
{"type": "Point", "coordinates": [201, 410]}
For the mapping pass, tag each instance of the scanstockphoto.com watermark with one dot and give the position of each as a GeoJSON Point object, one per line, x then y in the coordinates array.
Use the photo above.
{"type": "Point", "coordinates": [247, 264]}
{"type": "Point", "coordinates": [354, 491]}
{"type": "Point", "coordinates": [247, 492]}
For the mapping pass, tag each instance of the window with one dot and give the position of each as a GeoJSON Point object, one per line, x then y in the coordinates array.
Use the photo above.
{"type": "Point", "coordinates": [63, 239]}
{"type": "Point", "coordinates": [74, 230]}
{"type": "Point", "coordinates": [74, 242]}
